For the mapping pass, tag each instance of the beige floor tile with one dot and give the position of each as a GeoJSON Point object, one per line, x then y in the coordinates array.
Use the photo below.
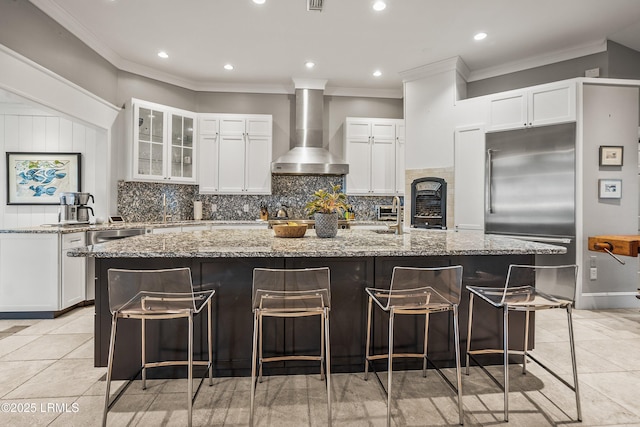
{"type": "Point", "coordinates": [14, 342]}
{"type": "Point", "coordinates": [85, 412]}
{"type": "Point", "coordinates": [48, 347]}
{"type": "Point", "coordinates": [84, 351]}
{"type": "Point", "coordinates": [77, 325]}
{"type": "Point", "coordinates": [33, 412]}
{"type": "Point", "coordinates": [70, 377]}
{"type": "Point", "coordinates": [14, 374]}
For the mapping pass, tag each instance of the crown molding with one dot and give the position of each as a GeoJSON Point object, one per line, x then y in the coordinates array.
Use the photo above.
{"type": "Point", "coordinates": [539, 61]}
{"type": "Point", "coordinates": [450, 64]}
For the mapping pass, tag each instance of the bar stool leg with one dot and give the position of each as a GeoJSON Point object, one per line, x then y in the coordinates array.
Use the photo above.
{"type": "Point", "coordinates": [366, 358]}
{"type": "Point", "coordinates": [143, 355]}
{"type": "Point", "coordinates": [526, 342]}
{"type": "Point", "coordinates": [456, 333]}
{"type": "Point", "coordinates": [328, 362]}
{"type": "Point", "coordinates": [112, 345]}
{"type": "Point", "coordinates": [260, 348]}
{"type": "Point", "coordinates": [426, 340]}
{"type": "Point", "coordinates": [190, 370]}
{"type": "Point", "coordinates": [322, 328]}
{"type": "Point", "coordinates": [210, 340]}
{"type": "Point", "coordinates": [391, 315]}
{"type": "Point", "coordinates": [467, 361]}
{"type": "Point", "coordinates": [254, 355]}
{"type": "Point", "coordinates": [573, 361]}
{"type": "Point", "coordinates": [505, 312]}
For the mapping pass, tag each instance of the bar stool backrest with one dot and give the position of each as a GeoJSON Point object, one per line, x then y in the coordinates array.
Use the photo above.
{"type": "Point", "coordinates": [159, 290]}
{"type": "Point", "coordinates": [291, 289]}
{"type": "Point", "coordinates": [446, 281]}
{"type": "Point", "coordinates": [559, 281]}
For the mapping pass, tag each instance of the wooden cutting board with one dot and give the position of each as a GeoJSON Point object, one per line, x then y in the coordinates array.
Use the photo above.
{"type": "Point", "coordinates": [620, 244]}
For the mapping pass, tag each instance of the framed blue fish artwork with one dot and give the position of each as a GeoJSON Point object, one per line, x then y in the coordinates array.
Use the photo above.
{"type": "Point", "coordinates": [39, 178]}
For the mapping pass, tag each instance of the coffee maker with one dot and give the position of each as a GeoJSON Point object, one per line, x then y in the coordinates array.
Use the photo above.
{"type": "Point", "coordinates": [73, 208]}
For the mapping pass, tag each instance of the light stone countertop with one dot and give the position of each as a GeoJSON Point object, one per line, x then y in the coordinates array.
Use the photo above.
{"type": "Point", "coordinates": [355, 242]}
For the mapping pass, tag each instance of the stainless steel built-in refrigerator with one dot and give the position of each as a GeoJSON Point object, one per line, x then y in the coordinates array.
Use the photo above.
{"type": "Point", "coordinates": [530, 186]}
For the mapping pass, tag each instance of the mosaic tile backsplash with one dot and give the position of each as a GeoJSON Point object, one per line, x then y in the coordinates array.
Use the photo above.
{"type": "Point", "coordinates": [143, 201]}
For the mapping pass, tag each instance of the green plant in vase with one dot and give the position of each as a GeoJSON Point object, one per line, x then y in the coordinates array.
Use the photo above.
{"type": "Point", "coordinates": [326, 206]}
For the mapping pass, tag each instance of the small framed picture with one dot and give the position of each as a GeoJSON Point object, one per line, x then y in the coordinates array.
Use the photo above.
{"type": "Point", "coordinates": [611, 155]}
{"type": "Point", "coordinates": [610, 188]}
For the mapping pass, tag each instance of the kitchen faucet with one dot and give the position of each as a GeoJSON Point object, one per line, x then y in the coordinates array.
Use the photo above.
{"type": "Point", "coordinates": [395, 208]}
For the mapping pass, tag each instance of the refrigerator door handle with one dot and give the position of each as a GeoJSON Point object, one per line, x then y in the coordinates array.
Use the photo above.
{"type": "Point", "coordinates": [489, 199]}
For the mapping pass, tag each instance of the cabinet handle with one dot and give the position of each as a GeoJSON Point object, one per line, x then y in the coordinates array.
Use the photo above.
{"type": "Point", "coordinates": [74, 240]}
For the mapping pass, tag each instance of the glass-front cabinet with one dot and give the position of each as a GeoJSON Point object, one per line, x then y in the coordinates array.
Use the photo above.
{"type": "Point", "coordinates": [163, 143]}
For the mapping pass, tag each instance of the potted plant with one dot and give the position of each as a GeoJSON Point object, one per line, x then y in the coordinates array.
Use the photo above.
{"type": "Point", "coordinates": [326, 206]}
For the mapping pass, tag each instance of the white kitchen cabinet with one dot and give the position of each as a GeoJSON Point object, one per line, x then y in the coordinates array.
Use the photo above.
{"type": "Point", "coordinates": [244, 154]}
{"type": "Point", "coordinates": [36, 275]}
{"type": "Point", "coordinates": [535, 106]}
{"type": "Point", "coordinates": [163, 147]}
{"type": "Point", "coordinates": [469, 155]}
{"type": "Point", "coordinates": [208, 146]}
{"type": "Point", "coordinates": [73, 275]}
{"type": "Point", "coordinates": [400, 153]}
{"type": "Point", "coordinates": [371, 151]}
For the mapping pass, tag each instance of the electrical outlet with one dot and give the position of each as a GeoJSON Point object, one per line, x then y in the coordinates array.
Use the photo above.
{"type": "Point", "coordinates": [593, 273]}
{"type": "Point", "coordinates": [245, 208]}
{"type": "Point", "coordinates": [214, 207]}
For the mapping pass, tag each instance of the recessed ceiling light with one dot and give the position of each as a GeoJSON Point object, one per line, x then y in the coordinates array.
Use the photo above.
{"type": "Point", "coordinates": [163, 54]}
{"type": "Point", "coordinates": [379, 5]}
{"type": "Point", "coordinates": [480, 36]}
{"type": "Point", "coordinates": [377, 73]}
{"type": "Point", "coordinates": [309, 64]}
{"type": "Point", "coordinates": [228, 67]}
{"type": "Point", "coordinates": [259, 1]}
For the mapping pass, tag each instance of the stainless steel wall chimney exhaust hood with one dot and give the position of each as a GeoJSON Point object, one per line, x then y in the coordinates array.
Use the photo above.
{"type": "Point", "coordinates": [307, 157]}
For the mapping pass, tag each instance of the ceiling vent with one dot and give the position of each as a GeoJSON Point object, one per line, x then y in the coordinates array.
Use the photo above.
{"type": "Point", "coordinates": [315, 5]}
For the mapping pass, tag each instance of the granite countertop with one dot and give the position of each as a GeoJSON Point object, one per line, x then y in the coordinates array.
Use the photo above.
{"type": "Point", "coordinates": [79, 228]}
{"type": "Point", "coordinates": [262, 243]}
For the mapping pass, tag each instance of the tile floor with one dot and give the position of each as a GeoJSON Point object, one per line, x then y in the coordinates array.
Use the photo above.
{"type": "Point", "coordinates": [46, 367]}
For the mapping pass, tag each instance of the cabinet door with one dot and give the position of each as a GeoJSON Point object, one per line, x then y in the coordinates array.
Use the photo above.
{"type": "Point", "coordinates": [358, 129]}
{"type": "Point", "coordinates": [383, 129]}
{"type": "Point", "coordinates": [73, 271]}
{"type": "Point", "coordinates": [400, 157]}
{"type": "Point", "coordinates": [181, 149]}
{"type": "Point", "coordinates": [359, 159]}
{"type": "Point", "coordinates": [552, 104]}
{"type": "Point", "coordinates": [258, 165]}
{"type": "Point", "coordinates": [209, 124]}
{"type": "Point", "coordinates": [29, 272]}
{"type": "Point", "coordinates": [208, 163]}
{"type": "Point", "coordinates": [469, 162]}
{"type": "Point", "coordinates": [149, 143]}
{"type": "Point", "coordinates": [231, 172]}
{"type": "Point", "coordinates": [508, 111]}
{"type": "Point", "coordinates": [232, 126]}
{"type": "Point", "coordinates": [383, 166]}
{"type": "Point", "coordinates": [258, 125]}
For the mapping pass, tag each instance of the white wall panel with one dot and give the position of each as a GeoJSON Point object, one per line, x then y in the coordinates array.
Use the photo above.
{"type": "Point", "coordinates": [25, 133]}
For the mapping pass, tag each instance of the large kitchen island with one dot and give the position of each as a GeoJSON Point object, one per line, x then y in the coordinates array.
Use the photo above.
{"type": "Point", "coordinates": [224, 260]}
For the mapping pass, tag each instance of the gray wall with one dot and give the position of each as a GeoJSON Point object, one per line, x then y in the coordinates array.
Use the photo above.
{"type": "Point", "coordinates": [539, 75]}
{"type": "Point", "coordinates": [27, 30]}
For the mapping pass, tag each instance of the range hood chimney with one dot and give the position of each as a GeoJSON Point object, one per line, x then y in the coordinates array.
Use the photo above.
{"type": "Point", "coordinates": [307, 157]}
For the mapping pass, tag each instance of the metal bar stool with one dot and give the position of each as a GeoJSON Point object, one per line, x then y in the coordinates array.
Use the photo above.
{"type": "Point", "coordinates": [527, 289]}
{"type": "Point", "coordinates": [417, 291]}
{"type": "Point", "coordinates": [157, 295]}
{"type": "Point", "coordinates": [291, 293]}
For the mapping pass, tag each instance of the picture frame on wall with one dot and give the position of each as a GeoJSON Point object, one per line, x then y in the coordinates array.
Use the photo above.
{"type": "Point", "coordinates": [611, 155]}
{"type": "Point", "coordinates": [39, 178]}
{"type": "Point", "coordinates": [610, 188]}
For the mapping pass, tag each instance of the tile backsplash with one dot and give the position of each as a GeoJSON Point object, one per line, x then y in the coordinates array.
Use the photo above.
{"type": "Point", "coordinates": [143, 201]}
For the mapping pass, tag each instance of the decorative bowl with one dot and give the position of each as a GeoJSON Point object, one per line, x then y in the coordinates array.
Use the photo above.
{"type": "Point", "coordinates": [290, 230]}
